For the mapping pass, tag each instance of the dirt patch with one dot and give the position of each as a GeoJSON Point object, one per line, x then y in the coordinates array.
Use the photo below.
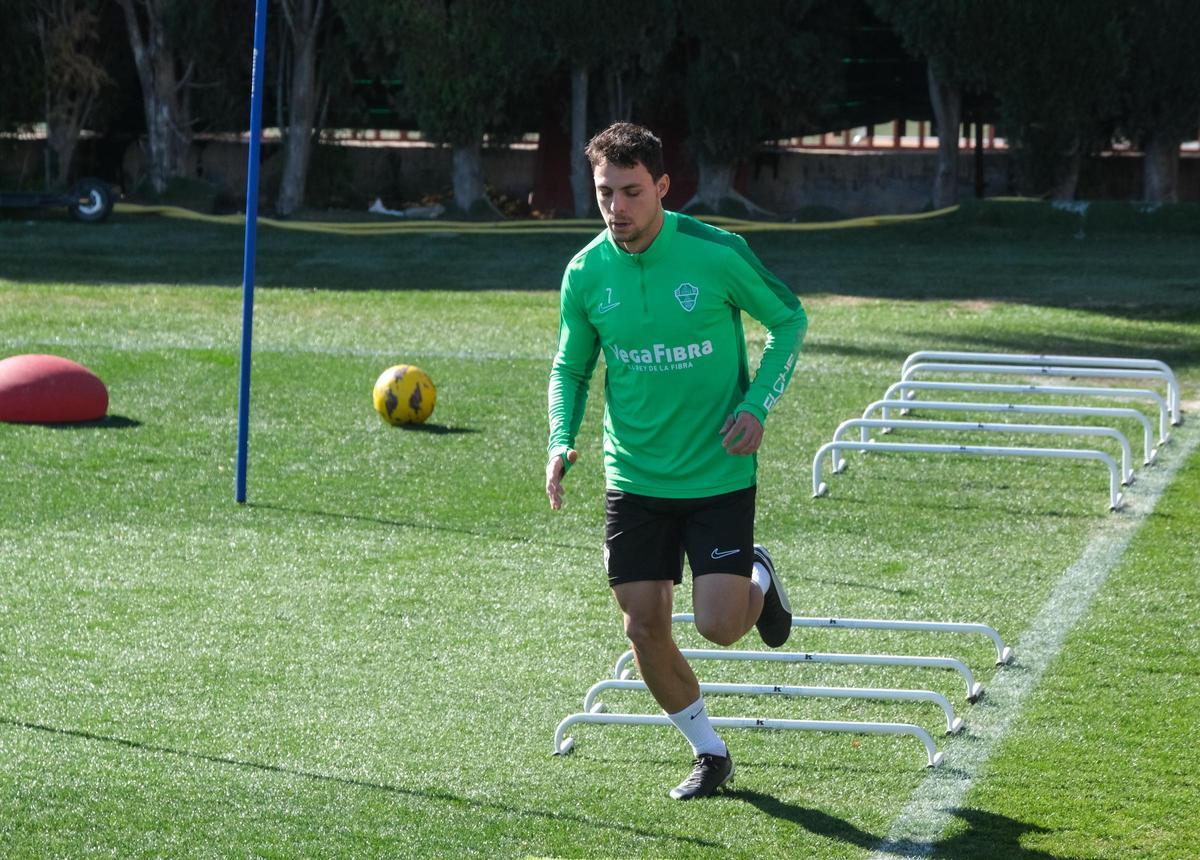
{"type": "Point", "coordinates": [975, 305]}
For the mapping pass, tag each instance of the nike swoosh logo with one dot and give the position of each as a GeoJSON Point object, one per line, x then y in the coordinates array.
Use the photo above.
{"type": "Point", "coordinates": [716, 553]}
{"type": "Point", "coordinates": [606, 308]}
{"type": "Point", "coordinates": [698, 713]}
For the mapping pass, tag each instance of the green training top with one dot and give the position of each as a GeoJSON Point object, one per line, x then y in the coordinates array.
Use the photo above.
{"type": "Point", "coordinates": [669, 321]}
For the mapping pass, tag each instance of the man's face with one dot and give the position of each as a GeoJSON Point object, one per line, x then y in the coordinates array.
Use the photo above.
{"type": "Point", "coordinates": [631, 203]}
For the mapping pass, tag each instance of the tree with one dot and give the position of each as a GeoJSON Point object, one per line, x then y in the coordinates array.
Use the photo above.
{"type": "Point", "coordinates": [950, 36]}
{"type": "Point", "coordinates": [1058, 104]}
{"type": "Point", "coordinates": [72, 73]}
{"type": "Point", "coordinates": [164, 79]}
{"type": "Point", "coordinates": [1161, 89]}
{"type": "Point", "coordinates": [751, 70]}
{"type": "Point", "coordinates": [637, 38]}
{"type": "Point", "coordinates": [20, 97]}
{"type": "Point", "coordinates": [53, 70]}
{"type": "Point", "coordinates": [305, 22]}
{"type": "Point", "coordinates": [461, 73]}
{"type": "Point", "coordinates": [189, 77]}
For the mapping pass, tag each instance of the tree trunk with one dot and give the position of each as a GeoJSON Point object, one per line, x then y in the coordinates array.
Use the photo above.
{"type": "Point", "coordinates": [468, 175]}
{"type": "Point", "coordinates": [980, 180]}
{"type": "Point", "coordinates": [620, 102]}
{"type": "Point", "coordinates": [714, 186]}
{"type": "Point", "coordinates": [714, 190]}
{"type": "Point", "coordinates": [62, 137]}
{"type": "Point", "coordinates": [65, 116]}
{"type": "Point", "coordinates": [1067, 174]}
{"type": "Point", "coordinates": [168, 128]}
{"type": "Point", "coordinates": [72, 78]}
{"type": "Point", "coordinates": [947, 113]}
{"type": "Point", "coordinates": [582, 186]}
{"type": "Point", "coordinates": [303, 20]}
{"type": "Point", "coordinates": [1160, 169]}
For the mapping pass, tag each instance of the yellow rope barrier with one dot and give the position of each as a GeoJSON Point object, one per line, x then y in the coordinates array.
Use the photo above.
{"type": "Point", "coordinates": [587, 226]}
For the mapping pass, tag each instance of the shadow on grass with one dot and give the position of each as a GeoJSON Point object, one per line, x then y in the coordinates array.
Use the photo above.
{"type": "Point", "coordinates": [108, 422]}
{"type": "Point", "coordinates": [987, 834]}
{"type": "Point", "coordinates": [992, 835]}
{"type": "Point", "coordinates": [506, 537]}
{"type": "Point", "coordinates": [434, 429]}
{"type": "Point", "coordinates": [1131, 265]}
{"type": "Point", "coordinates": [422, 793]}
{"type": "Point", "coordinates": [1177, 353]}
{"type": "Point", "coordinates": [858, 351]}
{"type": "Point", "coordinates": [813, 820]}
{"type": "Point", "coordinates": [984, 498]}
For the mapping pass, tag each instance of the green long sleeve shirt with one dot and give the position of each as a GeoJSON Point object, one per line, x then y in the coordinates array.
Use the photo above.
{"type": "Point", "coordinates": [668, 321]}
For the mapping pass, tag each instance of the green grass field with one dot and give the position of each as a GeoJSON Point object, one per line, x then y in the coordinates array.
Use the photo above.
{"type": "Point", "coordinates": [371, 656]}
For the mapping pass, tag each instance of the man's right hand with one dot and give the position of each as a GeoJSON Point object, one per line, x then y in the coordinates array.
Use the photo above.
{"type": "Point", "coordinates": [554, 475]}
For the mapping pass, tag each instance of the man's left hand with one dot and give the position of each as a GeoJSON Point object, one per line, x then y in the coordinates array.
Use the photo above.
{"type": "Point", "coordinates": [743, 433]}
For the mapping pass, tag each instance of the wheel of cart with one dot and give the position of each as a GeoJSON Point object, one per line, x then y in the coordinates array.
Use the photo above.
{"type": "Point", "coordinates": [89, 200]}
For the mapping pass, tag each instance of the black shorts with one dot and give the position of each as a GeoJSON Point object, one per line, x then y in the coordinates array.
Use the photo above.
{"type": "Point", "coordinates": [645, 537]}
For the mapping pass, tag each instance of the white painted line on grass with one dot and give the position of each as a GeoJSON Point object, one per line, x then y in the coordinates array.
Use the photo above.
{"type": "Point", "coordinates": [932, 806]}
{"type": "Point", "coordinates": [151, 343]}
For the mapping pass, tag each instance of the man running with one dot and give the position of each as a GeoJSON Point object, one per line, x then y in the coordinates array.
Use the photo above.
{"type": "Point", "coordinates": [662, 295]}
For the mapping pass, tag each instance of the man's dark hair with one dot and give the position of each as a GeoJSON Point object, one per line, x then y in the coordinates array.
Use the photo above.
{"type": "Point", "coordinates": [625, 144]}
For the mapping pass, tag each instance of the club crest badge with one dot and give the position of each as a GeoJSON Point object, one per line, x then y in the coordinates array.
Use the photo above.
{"type": "Point", "coordinates": [687, 295]}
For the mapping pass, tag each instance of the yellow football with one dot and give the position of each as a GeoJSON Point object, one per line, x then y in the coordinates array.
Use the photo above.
{"type": "Point", "coordinates": [404, 394]}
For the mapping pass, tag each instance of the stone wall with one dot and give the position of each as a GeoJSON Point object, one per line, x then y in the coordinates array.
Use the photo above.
{"type": "Point", "coordinates": [353, 176]}
{"type": "Point", "coordinates": [862, 183]}
{"type": "Point", "coordinates": [788, 183]}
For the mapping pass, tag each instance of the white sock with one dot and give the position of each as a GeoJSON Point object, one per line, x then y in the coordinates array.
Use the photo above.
{"type": "Point", "coordinates": [693, 722]}
{"type": "Point", "coordinates": [761, 578]}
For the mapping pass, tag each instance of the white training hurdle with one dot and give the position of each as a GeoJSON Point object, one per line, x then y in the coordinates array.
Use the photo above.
{"type": "Point", "coordinates": [901, 396]}
{"type": "Point", "coordinates": [1072, 361]}
{"type": "Point", "coordinates": [820, 488]}
{"type": "Point", "coordinates": [1049, 370]}
{"type": "Point", "coordinates": [1149, 451]}
{"type": "Point", "coordinates": [866, 424]}
{"type": "Point", "coordinates": [953, 724]}
{"type": "Point", "coordinates": [1003, 652]}
{"type": "Point", "coordinates": [907, 390]}
{"type": "Point", "coordinates": [933, 758]}
{"type": "Point", "coordinates": [595, 711]}
{"type": "Point", "coordinates": [974, 688]}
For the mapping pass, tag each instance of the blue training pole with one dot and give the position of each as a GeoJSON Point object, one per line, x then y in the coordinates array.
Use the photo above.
{"type": "Point", "coordinates": [256, 99]}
